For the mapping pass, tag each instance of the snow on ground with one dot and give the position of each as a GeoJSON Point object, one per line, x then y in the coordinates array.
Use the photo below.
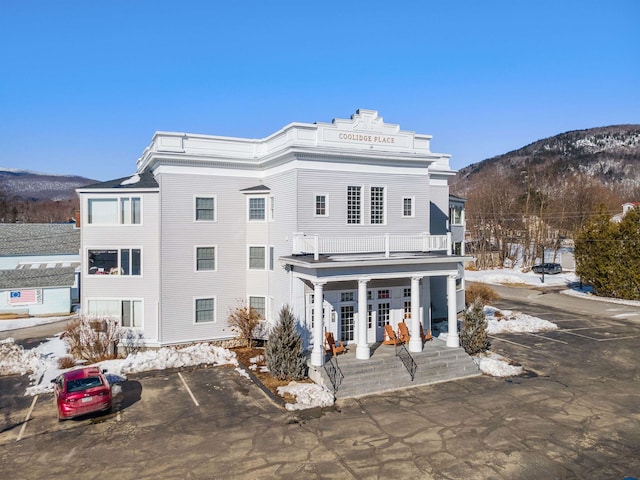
{"type": "Point", "coordinates": [496, 365]}
{"type": "Point", "coordinates": [6, 325]}
{"type": "Point", "coordinates": [515, 276]}
{"type": "Point", "coordinates": [507, 321]}
{"type": "Point", "coordinates": [307, 395]}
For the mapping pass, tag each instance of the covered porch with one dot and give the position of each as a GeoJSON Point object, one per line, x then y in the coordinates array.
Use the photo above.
{"type": "Point", "coordinates": [361, 294]}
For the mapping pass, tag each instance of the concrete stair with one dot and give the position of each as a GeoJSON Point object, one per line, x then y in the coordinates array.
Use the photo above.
{"type": "Point", "coordinates": [385, 371]}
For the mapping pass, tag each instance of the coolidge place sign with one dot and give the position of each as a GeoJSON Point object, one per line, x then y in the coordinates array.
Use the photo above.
{"type": "Point", "coordinates": [356, 137]}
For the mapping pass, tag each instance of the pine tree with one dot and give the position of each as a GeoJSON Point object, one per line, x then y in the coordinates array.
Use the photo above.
{"type": "Point", "coordinates": [284, 355]}
{"type": "Point", "coordinates": [473, 336]}
{"type": "Point", "coordinates": [608, 255]}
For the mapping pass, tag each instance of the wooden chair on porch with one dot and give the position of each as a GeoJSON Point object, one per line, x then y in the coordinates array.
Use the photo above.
{"type": "Point", "coordinates": [390, 337]}
{"type": "Point", "coordinates": [331, 346]}
{"type": "Point", "coordinates": [425, 337]}
{"type": "Point", "coordinates": [403, 332]}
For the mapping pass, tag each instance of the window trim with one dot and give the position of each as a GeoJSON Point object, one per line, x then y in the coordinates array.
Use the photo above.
{"type": "Point", "coordinates": [120, 300]}
{"type": "Point", "coordinates": [413, 206]}
{"type": "Point", "coordinates": [326, 205]}
{"type": "Point", "coordinates": [215, 208]}
{"type": "Point", "coordinates": [265, 257]}
{"type": "Point", "coordinates": [118, 250]}
{"type": "Point", "coordinates": [265, 206]}
{"type": "Point", "coordinates": [266, 304]}
{"type": "Point", "coordinates": [119, 220]}
{"type": "Point", "coordinates": [195, 309]}
{"type": "Point", "coordinates": [215, 258]}
{"type": "Point", "coordinates": [384, 204]}
{"type": "Point", "coordinates": [360, 205]}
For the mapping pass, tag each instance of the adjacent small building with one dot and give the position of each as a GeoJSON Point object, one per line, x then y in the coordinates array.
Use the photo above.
{"type": "Point", "coordinates": [39, 269]}
{"type": "Point", "coordinates": [350, 223]}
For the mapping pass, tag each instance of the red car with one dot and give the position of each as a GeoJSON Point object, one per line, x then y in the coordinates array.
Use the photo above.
{"type": "Point", "coordinates": [81, 391]}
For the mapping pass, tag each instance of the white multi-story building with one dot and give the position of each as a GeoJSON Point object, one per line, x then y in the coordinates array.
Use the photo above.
{"type": "Point", "coordinates": [346, 222]}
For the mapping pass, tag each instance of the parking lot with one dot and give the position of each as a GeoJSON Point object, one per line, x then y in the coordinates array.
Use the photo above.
{"type": "Point", "coordinates": [572, 415]}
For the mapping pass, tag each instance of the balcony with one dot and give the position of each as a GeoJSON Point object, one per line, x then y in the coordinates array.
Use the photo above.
{"type": "Point", "coordinates": [362, 244]}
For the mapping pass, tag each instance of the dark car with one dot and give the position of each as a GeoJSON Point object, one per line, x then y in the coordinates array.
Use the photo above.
{"type": "Point", "coordinates": [549, 268]}
{"type": "Point", "coordinates": [82, 391]}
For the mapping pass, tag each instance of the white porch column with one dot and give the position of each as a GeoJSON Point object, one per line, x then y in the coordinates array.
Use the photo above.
{"type": "Point", "coordinates": [363, 352]}
{"type": "Point", "coordinates": [453, 339]}
{"type": "Point", "coordinates": [317, 354]}
{"type": "Point", "coordinates": [415, 343]}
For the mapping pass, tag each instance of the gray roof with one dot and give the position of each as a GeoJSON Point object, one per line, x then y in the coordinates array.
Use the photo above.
{"type": "Point", "coordinates": [39, 239]}
{"type": "Point", "coordinates": [144, 180]}
{"type": "Point", "coordinates": [37, 278]}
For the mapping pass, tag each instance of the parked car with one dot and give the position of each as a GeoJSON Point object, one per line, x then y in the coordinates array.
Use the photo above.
{"type": "Point", "coordinates": [81, 391]}
{"type": "Point", "coordinates": [550, 268]}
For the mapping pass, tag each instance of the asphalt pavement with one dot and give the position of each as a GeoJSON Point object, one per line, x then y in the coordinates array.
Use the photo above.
{"type": "Point", "coordinates": [573, 414]}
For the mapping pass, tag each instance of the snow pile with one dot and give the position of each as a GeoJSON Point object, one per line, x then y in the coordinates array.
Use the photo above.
{"type": "Point", "coordinates": [497, 366]}
{"type": "Point", "coordinates": [308, 395]}
{"type": "Point", "coordinates": [167, 357]}
{"type": "Point", "coordinates": [15, 360]}
{"type": "Point", "coordinates": [506, 321]}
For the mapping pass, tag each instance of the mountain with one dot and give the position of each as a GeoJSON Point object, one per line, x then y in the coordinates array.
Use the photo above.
{"type": "Point", "coordinates": [33, 186]}
{"type": "Point", "coordinates": [609, 156]}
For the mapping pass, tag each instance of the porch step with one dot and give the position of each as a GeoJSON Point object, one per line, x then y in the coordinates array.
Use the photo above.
{"type": "Point", "coordinates": [385, 371]}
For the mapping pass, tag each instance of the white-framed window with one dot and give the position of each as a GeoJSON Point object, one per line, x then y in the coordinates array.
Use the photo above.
{"type": "Point", "coordinates": [114, 261]}
{"type": "Point", "coordinates": [259, 304]}
{"type": "Point", "coordinates": [354, 204]}
{"type": "Point", "coordinates": [384, 294]}
{"type": "Point", "coordinates": [114, 211]}
{"type": "Point", "coordinates": [347, 296]}
{"type": "Point", "coordinates": [256, 209]}
{"type": "Point", "coordinates": [205, 258]}
{"type": "Point", "coordinates": [128, 312]}
{"type": "Point", "coordinates": [407, 207]}
{"type": "Point", "coordinates": [322, 205]}
{"type": "Point", "coordinates": [377, 205]}
{"type": "Point", "coordinates": [204, 310]}
{"type": "Point", "coordinates": [272, 209]}
{"type": "Point", "coordinates": [459, 283]}
{"type": "Point", "coordinates": [456, 215]}
{"type": "Point", "coordinates": [257, 257]}
{"type": "Point", "coordinates": [407, 310]}
{"type": "Point", "coordinates": [205, 208]}
{"type": "Point", "coordinates": [272, 257]}
{"type": "Point", "coordinates": [406, 292]}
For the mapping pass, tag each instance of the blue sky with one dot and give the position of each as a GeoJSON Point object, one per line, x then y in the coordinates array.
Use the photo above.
{"type": "Point", "coordinates": [85, 84]}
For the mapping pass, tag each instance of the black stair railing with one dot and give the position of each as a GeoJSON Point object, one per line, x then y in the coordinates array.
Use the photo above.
{"type": "Point", "coordinates": [407, 360]}
{"type": "Point", "coordinates": [334, 373]}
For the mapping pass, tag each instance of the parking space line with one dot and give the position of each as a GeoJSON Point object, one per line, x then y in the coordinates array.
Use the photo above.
{"type": "Point", "coordinates": [600, 339]}
{"type": "Point", "coordinates": [509, 341]}
{"type": "Point", "coordinates": [24, 425]}
{"type": "Point", "coordinates": [546, 338]}
{"type": "Point", "coordinates": [188, 389]}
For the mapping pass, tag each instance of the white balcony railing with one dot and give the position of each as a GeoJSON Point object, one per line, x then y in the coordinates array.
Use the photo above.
{"type": "Point", "coordinates": [387, 244]}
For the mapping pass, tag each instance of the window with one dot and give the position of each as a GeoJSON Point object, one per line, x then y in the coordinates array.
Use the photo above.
{"type": "Point", "coordinates": [407, 207]}
{"type": "Point", "coordinates": [457, 248]}
{"type": "Point", "coordinates": [128, 312]}
{"type": "Point", "coordinates": [346, 322]}
{"type": "Point", "coordinates": [114, 211]}
{"type": "Point", "coordinates": [384, 314]}
{"type": "Point", "coordinates": [384, 294]}
{"type": "Point", "coordinates": [205, 312]}
{"type": "Point", "coordinates": [205, 209]}
{"type": "Point", "coordinates": [272, 255]}
{"type": "Point", "coordinates": [407, 310]}
{"type": "Point", "coordinates": [353, 205]}
{"type": "Point", "coordinates": [257, 260]}
{"type": "Point", "coordinates": [256, 208]}
{"type": "Point", "coordinates": [272, 209]}
{"type": "Point", "coordinates": [377, 205]}
{"type": "Point", "coordinates": [406, 292]}
{"type": "Point", "coordinates": [455, 215]}
{"type": "Point", "coordinates": [205, 258]}
{"type": "Point", "coordinates": [369, 316]}
{"type": "Point", "coordinates": [322, 209]}
{"type": "Point", "coordinates": [124, 261]}
{"type": "Point", "coordinates": [259, 304]}
{"type": "Point", "coordinates": [459, 283]}
{"type": "Point", "coordinates": [347, 296]}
